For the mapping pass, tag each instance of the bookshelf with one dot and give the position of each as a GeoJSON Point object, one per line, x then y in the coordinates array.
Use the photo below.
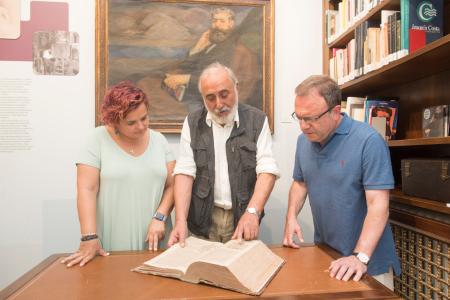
{"type": "Point", "coordinates": [346, 36]}
{"type": "Point", "coordinates": [418, 80]}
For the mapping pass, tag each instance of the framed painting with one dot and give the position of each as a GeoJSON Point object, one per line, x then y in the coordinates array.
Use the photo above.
{"type": "Point", "coordinates": [163, 45]}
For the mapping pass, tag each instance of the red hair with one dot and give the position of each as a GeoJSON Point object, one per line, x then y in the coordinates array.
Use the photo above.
{"type": "Point", "coordinates": [120, 100]}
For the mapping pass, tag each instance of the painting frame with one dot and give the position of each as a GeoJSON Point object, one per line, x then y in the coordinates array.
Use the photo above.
{"type": "Point", "coordinates": [102, 56]}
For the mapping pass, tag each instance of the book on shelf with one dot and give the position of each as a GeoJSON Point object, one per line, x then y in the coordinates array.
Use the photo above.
{"type": "Point", "coordinates": [404, 17]}
{"type": "Point", "coordinates": [378, 111]}
{"type": "Point", "coordinates": [423, 18]}
{"type": "Point", "coordinates": [385, 45]}
{"type": "Point", "coordinates": [245, 267]}
{"type": "Point", "coordinates": [355, 108]}
{"type": "Point", "coordinates": [332, 21]}
{"type": "Point", "coordinates": [435, 121]}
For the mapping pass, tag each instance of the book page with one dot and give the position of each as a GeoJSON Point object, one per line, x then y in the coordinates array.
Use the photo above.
{"type": "Point", "coordinates": [226, 253]}
{"type": "Point", "coordinates": [180, 258]}
{"type": "Point", "coordinates": [255, 268]}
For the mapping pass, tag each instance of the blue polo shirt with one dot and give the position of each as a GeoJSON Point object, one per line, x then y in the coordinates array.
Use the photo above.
{"type": "Point", "coordinates": [354, 159]}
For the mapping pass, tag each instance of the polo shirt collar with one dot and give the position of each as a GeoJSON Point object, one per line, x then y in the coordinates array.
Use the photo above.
{"type": "Point", "coordinates": [209, 119]}
{"type": "Point", "coordinates": [342, 129]}
{"type": "Point", "coordinates": [345, 125]}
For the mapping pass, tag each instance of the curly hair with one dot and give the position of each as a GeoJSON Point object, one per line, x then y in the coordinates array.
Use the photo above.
{"type": "Point", "coordinates": [120, 100]}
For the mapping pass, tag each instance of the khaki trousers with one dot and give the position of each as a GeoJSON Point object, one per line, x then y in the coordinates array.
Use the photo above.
{"type": "Point", "coordinates": [222, 227]}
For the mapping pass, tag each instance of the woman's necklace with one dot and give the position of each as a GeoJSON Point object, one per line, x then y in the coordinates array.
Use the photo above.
{"type": "Point", "coordinates": [125, 145]}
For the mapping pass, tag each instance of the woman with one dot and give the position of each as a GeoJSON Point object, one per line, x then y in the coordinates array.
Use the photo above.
{"type": "Point", "coordinates": [124, 177]}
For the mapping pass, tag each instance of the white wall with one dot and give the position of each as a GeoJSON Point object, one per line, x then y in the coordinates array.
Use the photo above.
{"type": "Point", "coordinates": [37, 187]}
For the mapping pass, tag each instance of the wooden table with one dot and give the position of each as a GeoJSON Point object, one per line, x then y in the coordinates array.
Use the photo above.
{"type": "Point", "coordinates": [304, 276]}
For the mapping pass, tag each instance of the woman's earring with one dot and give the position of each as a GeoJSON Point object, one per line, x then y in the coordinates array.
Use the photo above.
{"type": "Point", "coordinates": [116, 131]}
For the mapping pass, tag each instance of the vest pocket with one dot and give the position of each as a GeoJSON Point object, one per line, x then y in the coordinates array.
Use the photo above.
{"type": "Point", "coordinates": [248, 155]}
{"type": "Point", "coordinates": [202, 187]}
{"type": "Point", "coordinates": [199, 202]}
{"type": "Point", "coordinates": [200, 156]}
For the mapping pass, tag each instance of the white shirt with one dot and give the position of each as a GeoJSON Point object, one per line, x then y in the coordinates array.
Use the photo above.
{"type": "Point", "coordinates": [265, 162]}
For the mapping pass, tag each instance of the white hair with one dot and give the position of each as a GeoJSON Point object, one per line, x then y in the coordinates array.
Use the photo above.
{"type": "Point", "coordinates": [212, 69]}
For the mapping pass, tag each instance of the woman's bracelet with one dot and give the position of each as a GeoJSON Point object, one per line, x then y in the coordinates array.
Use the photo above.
{"type": "Point", "coordinates": [88, 237]}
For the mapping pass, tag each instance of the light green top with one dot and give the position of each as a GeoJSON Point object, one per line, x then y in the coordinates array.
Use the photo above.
{"type": "Point", "coordinates": [130, 188]}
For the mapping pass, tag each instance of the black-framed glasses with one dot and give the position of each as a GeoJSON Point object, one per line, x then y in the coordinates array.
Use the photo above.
{"type": "Point", "coordinates": [310, 120]}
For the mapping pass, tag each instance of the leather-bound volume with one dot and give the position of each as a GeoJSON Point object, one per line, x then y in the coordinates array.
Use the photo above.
{"type": "Point", "coordinates": [426, 178]}
{"type": "Point", "coordinates": [245, 267]}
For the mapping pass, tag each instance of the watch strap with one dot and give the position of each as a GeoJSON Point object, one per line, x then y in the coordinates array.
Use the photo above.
{"type": "Point", "coordinates": [88, 237]}
{"type": "Point", "coordinates": [160, 217]}
{"type": "Point", "coordinates": [252, 210]}
{"type": "Point", "coordinates": [362, 257]}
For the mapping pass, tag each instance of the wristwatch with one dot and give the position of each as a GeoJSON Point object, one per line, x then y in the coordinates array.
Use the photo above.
{"type": "Point", "coordinates": [362, 257]}
{"type": "Point", "coordinates": [252, 210]}
{"type": "Point", "coordinates": [160, 217]}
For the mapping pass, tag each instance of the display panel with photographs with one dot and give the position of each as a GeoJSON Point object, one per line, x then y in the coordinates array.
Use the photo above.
{"type": "Point", "coordinates": [56, 53]}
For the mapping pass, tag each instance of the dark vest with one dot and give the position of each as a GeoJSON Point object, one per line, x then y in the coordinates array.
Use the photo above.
{"type": "Point", "coordinates": [241, 158]}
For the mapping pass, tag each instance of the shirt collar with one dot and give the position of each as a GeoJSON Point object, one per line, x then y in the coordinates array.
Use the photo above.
{"type": "Point", "coordinates": [345, 125]}
{"type": "Point", "coordinates": [209, 119]}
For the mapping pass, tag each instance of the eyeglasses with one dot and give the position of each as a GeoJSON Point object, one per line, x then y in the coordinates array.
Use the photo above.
{"type": "Point", "coordinates": [309, 120]}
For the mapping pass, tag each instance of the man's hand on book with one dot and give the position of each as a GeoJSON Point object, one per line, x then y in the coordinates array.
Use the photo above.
{"type": "Point", "coordinates": [178, 234]}
{"type": "Point", "coordinates": [155, 233]}
{"type": "Point", "coordinates": [291, 229]}
{"type": "Point", "coordinates": [247, 228]}
{"type": "Point", "coordinates": [87, 251]}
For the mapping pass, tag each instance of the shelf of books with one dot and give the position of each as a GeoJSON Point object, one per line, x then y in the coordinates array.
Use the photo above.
{"type": "Point", "coordinates": [338, 40]}
{"type": "Point", "coordinates": [431, 59]}
{"type": "Point", "coordinates": [372, 44]}
{"type": "Point", "coordinates": [440, 207]}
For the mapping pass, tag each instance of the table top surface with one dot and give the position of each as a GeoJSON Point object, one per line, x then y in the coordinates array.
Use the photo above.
{"type": "Point", "coordinates": [303, 276]}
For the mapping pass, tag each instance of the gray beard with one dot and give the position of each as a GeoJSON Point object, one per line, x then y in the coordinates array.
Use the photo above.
{"type": "Point", "coordinates": [228, 119]}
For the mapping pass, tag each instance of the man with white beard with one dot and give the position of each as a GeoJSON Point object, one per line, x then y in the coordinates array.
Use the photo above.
{"type": "Point", "coordinates": [225, 171]}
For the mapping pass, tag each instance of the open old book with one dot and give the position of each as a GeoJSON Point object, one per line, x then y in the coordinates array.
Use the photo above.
{"type": "Point", "coordinates": [245, 267]}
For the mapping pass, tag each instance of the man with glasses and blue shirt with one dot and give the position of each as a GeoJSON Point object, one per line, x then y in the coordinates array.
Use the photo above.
{"type": "Point", "coordinates": [344, 167]}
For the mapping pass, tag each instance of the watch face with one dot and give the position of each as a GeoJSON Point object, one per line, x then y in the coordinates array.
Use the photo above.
{"type": "Point", "coordinates": [251, 210]}
{"type": "Point", "coordinates": [363, 257]}
{"type": "Point", "coordinates": [160, 217]}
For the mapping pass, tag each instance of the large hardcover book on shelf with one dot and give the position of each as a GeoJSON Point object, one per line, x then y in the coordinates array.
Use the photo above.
{"type": "Point", "coordinates": [245, 267]}
{"type": "Point", "coordinates": [404, 15]}
{"type": "Point", "coordinates": [426, 16]}
{"type": "Point", "coordinates": [377, 110]}
{"type": "Point", "coordinates": [435, 121]}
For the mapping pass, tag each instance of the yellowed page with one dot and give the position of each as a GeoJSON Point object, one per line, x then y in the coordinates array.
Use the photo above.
{"type": "Point", "coordinates": [226, 253]}
{"type": "Point", "coordinates": [180, 258]}
{"type": "Point", "coordinates": [255, 268]}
